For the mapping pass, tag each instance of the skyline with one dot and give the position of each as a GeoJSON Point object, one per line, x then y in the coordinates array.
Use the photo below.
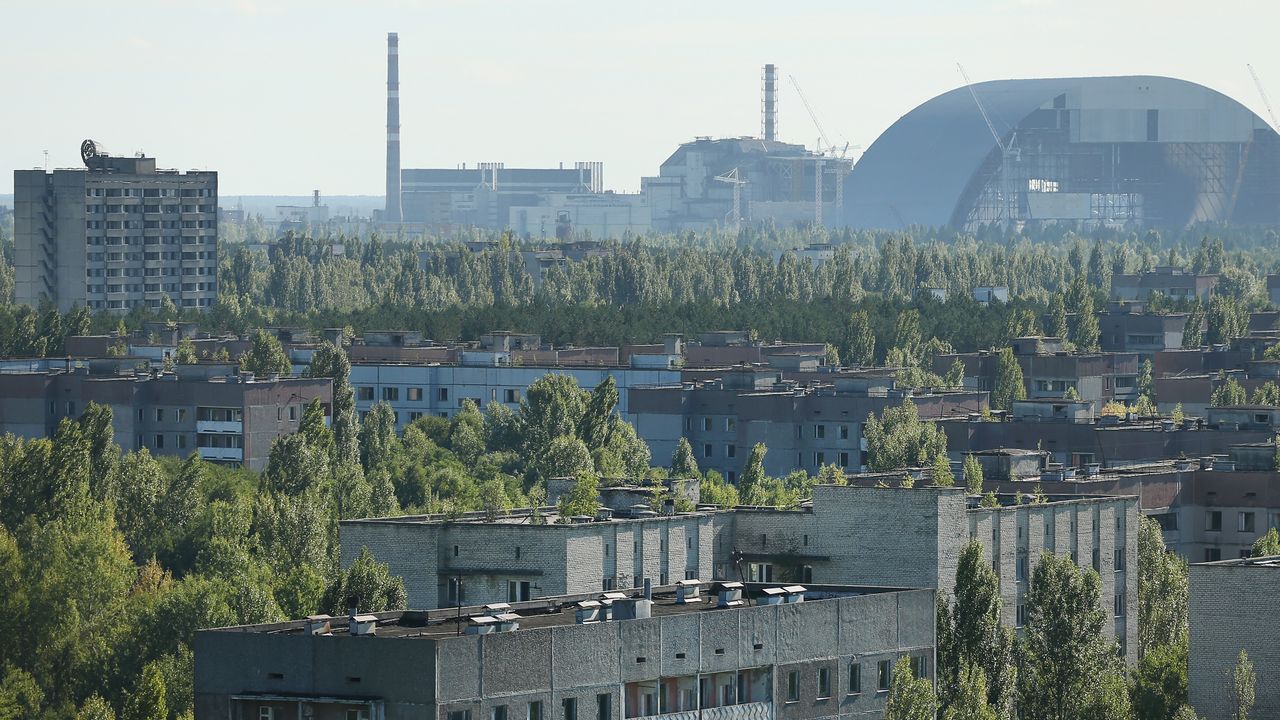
{"type": "Point", "coordinates": [592, 88]}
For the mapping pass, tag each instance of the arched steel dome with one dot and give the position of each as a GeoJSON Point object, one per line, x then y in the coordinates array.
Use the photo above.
{"type": "Point", "coordinates": [1117, 151]}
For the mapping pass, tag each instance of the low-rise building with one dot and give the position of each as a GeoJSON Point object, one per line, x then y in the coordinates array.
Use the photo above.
{"type": "Point", "coordinates": [746, 652]}
{"type": "Point", "coordinates": [1069, 438]}
{"type": "Point", "coordinates": [1126, 327]}
{"type": "Point", "coordinates": [892, 536]}
{"type": "Point", "coordinates": [805, 425]}
{"type": "Point", "coordinates": [1170, 282]}
{"type": "Point", "coordinates": [210, 409]}
{"type": "Point", "coordinates": [1050, 372]}
{"type": "Point", "coordinates": [1232, 607]}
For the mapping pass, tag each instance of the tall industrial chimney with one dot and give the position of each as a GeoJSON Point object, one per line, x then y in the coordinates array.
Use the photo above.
{"type": "Point", "coordinates": [769, 102]}
{"type": "Point", "coordinates": [393, 213]}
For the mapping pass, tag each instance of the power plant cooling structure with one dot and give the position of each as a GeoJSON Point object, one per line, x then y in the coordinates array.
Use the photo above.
{"type": "Point", "coordinates": [769, 102]}
{"type": "Point", "coordinates": [393, 213]}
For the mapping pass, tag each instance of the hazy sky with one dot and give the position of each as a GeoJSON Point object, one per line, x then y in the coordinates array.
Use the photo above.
{"type": "Point", "coordinates": [285, 96]}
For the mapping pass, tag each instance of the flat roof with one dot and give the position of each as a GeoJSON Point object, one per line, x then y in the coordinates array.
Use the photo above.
{"type": "Point", "coordinates": [1269, 561]}
{"type": "Point", "coordinates": [554, 611]}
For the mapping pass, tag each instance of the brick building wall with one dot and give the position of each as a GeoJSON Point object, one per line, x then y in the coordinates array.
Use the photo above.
{"type": "Point", "coordinates": [1232, 607]}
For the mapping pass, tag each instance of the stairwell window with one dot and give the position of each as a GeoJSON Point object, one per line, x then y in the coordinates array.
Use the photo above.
{"type": "Point", "coordinates": [534, 711]}
{"type": "Point", "coordinates": [793, 686]}
{"type": "Point", "coordinates": [855, 678]}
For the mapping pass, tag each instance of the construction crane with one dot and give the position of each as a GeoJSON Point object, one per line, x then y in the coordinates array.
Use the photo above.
{"type": "Point", "coordinates": [734, 178]}
{"type": "Point", "coordinates": [1009, 152]}
{"type": "Point", "coordinates": [822, 134]}
{"type": "Point", "coordinates": [1275, 124]}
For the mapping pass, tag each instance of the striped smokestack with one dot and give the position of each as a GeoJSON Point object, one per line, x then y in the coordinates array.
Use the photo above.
{"type": "Point", "coordinates": [393, 213]}
{"type": "Point", "coordinates": [769, 102]}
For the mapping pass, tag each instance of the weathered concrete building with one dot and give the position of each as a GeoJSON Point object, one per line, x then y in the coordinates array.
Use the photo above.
{"type": "Point", "coordinates": [1232, 607]}
{"type": "Point", "coordinates": [1050, 372]}
{"type": "Point", "coordinates": [1171, 282]}
{"type": "Point", "coordinates": [118, 235]}
{"type": "Point", "coordinates": [225, 416]}
{"type": "Point", "coordinates": [761, 653]}
{"type": "Point", "coordinates": [805, 425]}
{"type": "Point", "coordinates": [875, 535]}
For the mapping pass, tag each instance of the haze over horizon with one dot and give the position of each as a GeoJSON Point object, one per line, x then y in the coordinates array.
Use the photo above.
{"type": "Point", "coordinates": [284, 96]}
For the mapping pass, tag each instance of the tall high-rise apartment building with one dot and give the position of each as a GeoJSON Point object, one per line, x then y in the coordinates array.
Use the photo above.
{"type": "Point", "coordinates": [117, 235]}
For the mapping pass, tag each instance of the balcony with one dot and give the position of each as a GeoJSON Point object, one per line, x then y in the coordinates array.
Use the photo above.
{"type": "Point", "coordinates": [220, 426]}
{"type": "Point", "coordinates": [222, 454]}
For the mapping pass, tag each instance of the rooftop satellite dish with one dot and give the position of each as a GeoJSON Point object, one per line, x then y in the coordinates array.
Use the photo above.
{"type": "Point", "coordinates": [90, 149]}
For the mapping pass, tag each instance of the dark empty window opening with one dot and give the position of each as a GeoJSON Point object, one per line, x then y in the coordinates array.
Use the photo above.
{"type": "Point", "coordinates": [1153, 125]}
{"type": "Point", "coordinates": [719, 651]}
{"type": "Point", "coordinates": [679, 656]}
{"type": "Point", "coordinates": [275, 676]}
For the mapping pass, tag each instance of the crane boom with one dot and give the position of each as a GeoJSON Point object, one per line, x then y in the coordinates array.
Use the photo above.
{"type": "Point", "coordinates": [981, 108]}
{"type": "Point", "coordinates": [812, 115]}
{"type": "Point", "coordinates": [1275, 125]}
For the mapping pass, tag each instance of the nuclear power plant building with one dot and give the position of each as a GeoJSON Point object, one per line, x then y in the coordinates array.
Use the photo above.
{"type": "Point", "coordinates": [1134, 151]}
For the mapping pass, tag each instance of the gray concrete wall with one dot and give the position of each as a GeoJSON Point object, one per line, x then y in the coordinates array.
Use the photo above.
{"type": "Point", "coordinates": [548, 665]}
{"type": "Point", "coordinates": [400, 672]}
{"type": "Point", "coordinates": [1232, 608]}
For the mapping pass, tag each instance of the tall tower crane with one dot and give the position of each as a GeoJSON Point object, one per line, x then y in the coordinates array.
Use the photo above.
{"type": "Point", "coordinates": [1271, 114]}
{"type": "Point", "coordinates": [1009, 154]}
{"type": "Point", "coordinates": [824, 147]}
{"type": "Point", "coordinates": [734, 178]}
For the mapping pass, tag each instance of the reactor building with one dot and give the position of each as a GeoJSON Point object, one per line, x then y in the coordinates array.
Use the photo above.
{"type": "Point", "coordinates": [1136, 151]}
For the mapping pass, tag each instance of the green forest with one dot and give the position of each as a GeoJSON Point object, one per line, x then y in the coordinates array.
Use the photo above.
{"type": "Point", "coordinates": [110, 560]}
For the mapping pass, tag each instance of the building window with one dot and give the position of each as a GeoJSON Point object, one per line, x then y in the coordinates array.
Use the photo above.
{"type": "Point", "coordinates": [730, 451]}
{"type": "Point", "coordinates": [361, 714]}
{"type": "Point", "coordinates": [159, 442]}
{"type": "Point", "coordinates": [266, 713]}
{"type": "Point", "coordinates": [182, 441]}
{"type": "Point", "coordinates": [518, 591]}
{"type": "Point", "coordinates": [604, 706]}
{"type": "Point", "coordinates": [855, 678]}
{"type": "Point", "coordinates": [1244, 523]}
{"type": "Point", "coordinates": [884, 673]}
{"type": "Point", "coordinates": [824, 682]}
{"type": "Point", "coordinates": [706, 424]}
{"type": "Point", "coordinates": [364, 393]}
{"type": "Point", "coordinates": [917, 665]}
{"type": "Point", "coordinates": [707, 450]}
{"type": "Point", "coordinates": [499, 712]}
{"type": "Point", "coordinates": [511, 396]}
{"type": "Point", "coordinates": [1021, 569]}
{"type": "Point", "coordinates": [534, 712]}
{"type": "Point", "coordinates": [415, 394]}
{"type": "Point", "coordinates": [730, 424]}
{"type": "Point", "coordinates": [793, 686]}
{"type": "Point", "coordinates": [1021, 617]}
{"type": "Point", "coordinates": [182, 414]}
{"type": "Point", "coordinates": [159, 414]}
{"type": "Point", "coordinates": [1120, 604]}
{"type": "Point", "coordinates": [820, 431]}
{"type": "Point", "coordinates": [391, 394]}
{"type": "Point", "coordinates": [1119, 558]}
{"type": "Point", "coordinates": [443, 395]}
{"type": "Point", "coordinates": [1212, 554]}
{"type": "Point", "coordinates": [293, 413]}
{"type": "Point", "coordinates": [1097, 560]}
{"type": "Point", "coordinates": [569, 708]}
{"type": "Point", "coordinates": [459, 715]}
{"type": "Point", "coordinates": [1213, 520]}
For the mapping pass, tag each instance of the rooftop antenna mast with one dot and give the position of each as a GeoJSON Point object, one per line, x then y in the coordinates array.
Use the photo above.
{"type": "Point", "coordinates": [1275, 124]}
{"type": "Point", "coordinates": [1009, 153]}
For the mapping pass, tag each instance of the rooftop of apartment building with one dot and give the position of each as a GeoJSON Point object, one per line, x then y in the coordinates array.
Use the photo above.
{"type": "Point", "coordinates": [684, 598]}
{"type": "Point", "coordinates": [1268, 561]}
